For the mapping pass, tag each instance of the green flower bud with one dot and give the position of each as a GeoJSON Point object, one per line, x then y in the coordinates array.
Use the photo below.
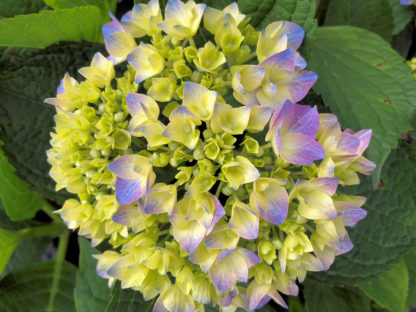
{"type": "Point", "coordinates": [179, 91]}
{"type": "Point", "coordinates": [206, 81]}
{"type": "Point", "coordinates": [209, 58]}
{"type": "Point", "coordinates": [183, 175]}
{"type": "Point", "coordinates": [181, 70]}
{"type": "Point", "coordinates": [267, 251]}
{"type": "Point", "coordinates": [162, 89]}
{"type": "Point", "coordinates": [243, 54]}
{"type": "Point", "coordinates": [310, 171]}
{"type": "Point", "coordinates": [229, 38]}
{"type": "Point", "coordinates": [263, 274]}
{"type": "Point", "coordinates": [207, 134]}
{"type": "Point", "coordinates": [251, 35]}
{"type": "Point", "coordinates": [104, 125]}
{"type": "Point", "coordinates": [175, 54]}
{"type": "Point", "coordinates": [280, 174]}
{"type": "Point", "coordinates": [226, 190]}
{"type": "Point", "coordinates": [196, 76]}
{"type": "Point", "coordinates": [258, 162]}
{"type": "Point", "coordinates": [250, 145]}
{"type": "Point", "coordinates": [198, 153]}
{"type": "Point", "coordinates": [160, 160]}
{"type": "Point", "coordinates": [212, 149]}
{"type": "Point", "coordinates": [206, 165]}
{"type": "Point", "coordinates": [121, 139]}
{"type": "Point", "coordinates": [118, 117]}
{"type": "Point", "coordinates": [227, 141]}
{"type": "Point", "coordinates": [190, 53]}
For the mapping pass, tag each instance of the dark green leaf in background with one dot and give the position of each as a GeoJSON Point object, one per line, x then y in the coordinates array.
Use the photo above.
{"type": "Point", "coordinates": [325, 298]}
{"type": "Point", "coordinates": [92, 292]}
{"type": "Point", "coordinates": [127, 300]}
{"type": "Point", "coordinates": [301, 12]}
{"type": "Point", "coordinates": [402, 15]}
{"type": "Point", "coordinates": [9, 240]}
{"type": "Point", "coordinates": [18, 201]}
{"type": "Point", "coordinates": [30, 289]}
{"type": "Point", "coordinates": [105, 6]}
{"type": "Point", "coordinates": [25, 121]}
{"type": "Point", "coordinates": [48, 27]}
{"type": "Point", "coordinates": [390, 288]}
{"type": "Point", "coordinates": [374, 15]}
{"type": "Point", "coordinates": [366, 83]}
{"type": "Point", "coordinates": [410, 260]}
{"type": "Point", "coordinates": [10, 8]}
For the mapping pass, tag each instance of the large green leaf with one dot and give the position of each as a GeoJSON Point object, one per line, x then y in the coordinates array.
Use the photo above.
{"type": "Point", "coordinates": [105, 6]}
{"type": "Point", "coordinates": [31, 289]}
{"type": "Point", "coordinates": [390, 289]}
{"type": "Point", "coordinates": [92, 292]}
{"type": "Point", "coordinates": [10, 8]}
{"type": "Point", "coordinates": [264, 12]}
{"type": "Point", "coordinates": [374, 15]}
{"type": "Point", "coordinates": [366, 83]}
{"type": "Point", "coordinates": [9, 240]}
{"type": "Point", "coordinates": [48, 27]}
{"type": "Point", "coordinates": [325, 298]}
{"type": "Point", "coordinates": [127, 300]}
{"type": "Point", "coordinates": [18, 201]}
{"type": "Point", "coordinates": [24, 119]}
{"type": "Point", "coordinates": [28, 251]}
{"type": "Point", "coordinates": [410, 260]}
{"type": "Point", "coordinates": [389, 229]}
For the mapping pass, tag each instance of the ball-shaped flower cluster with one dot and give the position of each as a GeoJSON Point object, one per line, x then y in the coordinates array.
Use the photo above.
{"type": "Point", "coordinates": [212, 185]}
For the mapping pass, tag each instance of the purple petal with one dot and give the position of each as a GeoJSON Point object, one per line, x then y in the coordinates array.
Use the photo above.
{"type": "Point", "coordinates": [127, 191]}
{"type": "Point", "coordinates": [284, 60]}
{"type": "Point", "coordinates": [190, 235]}
{"type": "Point", "coordinates": [349, 213]}
{"type": "Point", "coordinates": [300, 62]}
{"type": "Point", "coordinates": [363, 165]}
{"type": "Point", "coordinates": [277, 298]}
{"type": "Point", "coordinates": [341, 246]}
{"type": "Point", "coordinates": [300, 84]}
{"type": "Point", "coordinates": [126, 167]}
{"type": "Point", "coordinates": [295, 35]}
{"type": "Point", "coordinates": [218, 214]}
{"type": "Point", "coordinates": [298, 118]}
{"type": "Point", "coordinates": [327, 185]}
{"type": "Point", "coordinates": [256, 293]}
{"type": "Point", "coordinates": [348, 144]}
{"type": "Point", "coordinates": [300, 149]}
{"type": "Point", "coordinates": [364, 136]}
{"type": "Point", "coordinates": [251, 257]}
{"type": "Point", "coordinates": [125, 215]}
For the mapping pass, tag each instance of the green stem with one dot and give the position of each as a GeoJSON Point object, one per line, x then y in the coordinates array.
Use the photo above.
{"type": "Point", "coordinates": [53, 230]}
{"type": "Point", "coordinates": [265, 146]}
{"type": "Point", "coordinates": [219, 188]}
{"type": "Point", "coordinates": [309, 228]}
{"type": "Point", "coordinates": [192, 42]}
{"type": "Point", "coordinates": [57, 272]}
{"type": "Point", "coordinates": [48, 209]}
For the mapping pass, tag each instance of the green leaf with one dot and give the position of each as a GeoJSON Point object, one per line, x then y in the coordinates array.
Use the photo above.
{"type": "Point", "coordinates": [105, 6]}
{"type": "Point", "coordinates": [366, 83]}
{"type": "Point", "coordinates": [28, 251]}
{"type": "Point", "coordinates": [10, 8]}
{"type": "Point", "coordinates": [324, 298]}
{"type": "Point", "coordinates": [49, 27]}
{"type": "Point", "coordinates": [402, 15]}
{"type": "Point", "coordinates": [264, 12]}
{"type": "Point", "coordinates": [18, 201]}
{"type": "Point", "coordinates": [295, 304]}
{"type": "Point", "coordinates": [388, 231]}
{"type": "Point", "coordinates": [374, 15]}
{"type": "Point", "coordinates": [410, 260]}
{"type": "Point", "coordinates": [390, 289]}
{"type": "Point", "coordinates": [92, 292]}
{"type": "Point", "coordinates": [127, 300]}
{"type": "Point", "coordinates": [9, 240]}
{"type": "Point", "coordinates": [24, 119]}
{"type": "Point", "coordinates": [30, 289]}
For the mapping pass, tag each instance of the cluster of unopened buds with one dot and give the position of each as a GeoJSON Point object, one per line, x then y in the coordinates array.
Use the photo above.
{"type": "Point", "coordinates": [212, 185]}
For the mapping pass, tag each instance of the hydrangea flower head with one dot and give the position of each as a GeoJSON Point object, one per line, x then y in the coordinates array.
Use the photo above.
{"type": "Point", "coordinates": [211, 183]}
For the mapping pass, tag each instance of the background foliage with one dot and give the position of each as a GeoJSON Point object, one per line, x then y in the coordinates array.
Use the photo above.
{"type": "Point", "coordinates": [358, 48]}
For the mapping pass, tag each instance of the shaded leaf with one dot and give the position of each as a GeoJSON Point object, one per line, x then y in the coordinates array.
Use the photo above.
{"type": "Point", "coordinates": [30, 289]}
{"type": "Point", "coordinates": [410, 260]}
{"type": "Point", "coordinates": [48, 27]}
{"type": "Point", "coordinates": [366, 83]}
{"type": "Point", "coordinates": [402, 15]}
{"type": "Point", "coordinates": [127, 300]}
{"type": "Point", "coordinates": [390, 289]}
{"type": "Point", "coordinates": [374, 15]}
{"type": "Point", "coordinates": [10, 8]}
{"type": "Point", "coordinates": [92, 292]}
{"type": "Point", "coordinates": [25, 120]}
{"type": "Point", "coordinates": [264, 12]}
{"type": "Point", "coordinates": [324, 298]}
{"type": "Point", "coordinates": [9, 240]}
{"type": "Point", "coordinates": [19, 203]}
{"type": "Point", "coordinates": [105, 6]}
